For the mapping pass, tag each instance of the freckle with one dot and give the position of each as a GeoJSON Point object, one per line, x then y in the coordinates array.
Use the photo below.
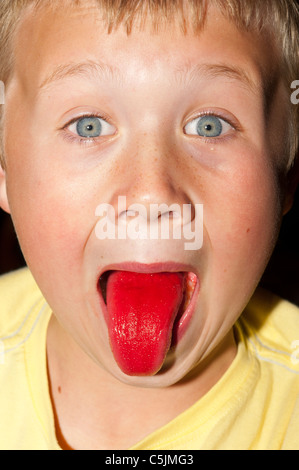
{"type": "Point", "coordinates": [59, 389]}
{"type": "Point", "coordinates": [248, 230]}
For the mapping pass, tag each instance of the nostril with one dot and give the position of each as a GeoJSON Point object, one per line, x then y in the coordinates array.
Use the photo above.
{"type": "Point", "coordinates": [159, 211]}
{"type": "Point", "coordinates": [170, 215]}
{"type": "Point", "coordinates": [127, 213]}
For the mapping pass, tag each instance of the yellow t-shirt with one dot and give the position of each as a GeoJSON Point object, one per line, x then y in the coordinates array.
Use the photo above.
{"type": "Point", "coordinates": [255, 405]}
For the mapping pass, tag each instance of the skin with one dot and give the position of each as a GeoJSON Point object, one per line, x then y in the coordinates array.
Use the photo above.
{"type": "Point", "coordinates": [53, 184]}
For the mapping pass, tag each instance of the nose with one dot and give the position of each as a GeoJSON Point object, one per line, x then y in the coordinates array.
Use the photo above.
{"type": "Point", "coordinates": [151, 187]}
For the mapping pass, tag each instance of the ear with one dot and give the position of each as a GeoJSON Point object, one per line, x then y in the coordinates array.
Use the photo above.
{"type": "Point", "coordinates": [3, 193]}
{"type": "Point", "coordinates": [291, 186]}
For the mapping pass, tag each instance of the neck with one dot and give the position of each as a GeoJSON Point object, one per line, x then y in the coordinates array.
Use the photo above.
{"type": "Point", "coordinates": [93, 410]}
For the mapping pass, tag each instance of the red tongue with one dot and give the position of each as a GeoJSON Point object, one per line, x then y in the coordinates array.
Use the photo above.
{"type": "Point", "coordinates": [141, 312]}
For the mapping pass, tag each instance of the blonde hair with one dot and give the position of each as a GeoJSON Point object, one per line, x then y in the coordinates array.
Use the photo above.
{"type": "Point", "coordinates": [280, 18]}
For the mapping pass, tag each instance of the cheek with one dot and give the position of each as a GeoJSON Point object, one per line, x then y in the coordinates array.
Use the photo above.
{"type": "Point", "coordinates": [245, 220]}
{"type": "Point", "coordinates": [50, 220]}
{"type": "Point", "coordinates": [46, 205]}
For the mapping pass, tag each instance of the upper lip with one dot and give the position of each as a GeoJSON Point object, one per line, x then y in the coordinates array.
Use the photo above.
{"type": "Point", "coordinates": [167, 266]}
{"type": "Point", "coordinates": [157, 267]}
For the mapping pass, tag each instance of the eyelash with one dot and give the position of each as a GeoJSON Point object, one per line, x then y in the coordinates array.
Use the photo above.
{"type": "Point", "coordinates": [76, 138]}
{"type": "Point", "coordinates": [214, 140]}
{"type": "Point", "coordinates": [208, 140]}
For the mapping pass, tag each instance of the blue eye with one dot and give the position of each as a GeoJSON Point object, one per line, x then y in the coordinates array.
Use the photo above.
{"type": "Point", "coordinates": [207, 126]}
{"type": "Point", "coordinates": [91, 127]}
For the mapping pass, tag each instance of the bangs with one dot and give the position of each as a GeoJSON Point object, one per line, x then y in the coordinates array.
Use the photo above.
{"type": "Point", "coordinates": [246, 14]}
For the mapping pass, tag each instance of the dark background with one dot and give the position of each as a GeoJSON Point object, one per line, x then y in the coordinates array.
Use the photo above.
{"type": "Point", "coordinates": [281, 276]}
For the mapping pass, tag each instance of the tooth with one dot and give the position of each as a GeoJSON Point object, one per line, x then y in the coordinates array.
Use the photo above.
{"type": "Point", "coordinates": [190, 281]}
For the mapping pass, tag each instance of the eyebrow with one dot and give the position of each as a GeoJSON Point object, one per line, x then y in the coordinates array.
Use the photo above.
{"type": "Point", "coordinates": [188, 73]}
{"type": "Point", "coordinates": [99, 69]}
{"type": "Point", "coordinates": [219, 70]}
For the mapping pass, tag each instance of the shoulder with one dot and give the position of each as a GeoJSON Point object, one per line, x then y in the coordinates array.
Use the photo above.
{"type": "Point", "coordinates": [19, 294]}
{"type": "Point", "coordinates": [22, 278]}
{"type": "Point", "coordinates": [271, 327]}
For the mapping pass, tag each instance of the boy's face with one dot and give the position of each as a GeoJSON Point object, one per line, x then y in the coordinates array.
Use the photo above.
{"type": "Point", "coordinates": [177, 119]}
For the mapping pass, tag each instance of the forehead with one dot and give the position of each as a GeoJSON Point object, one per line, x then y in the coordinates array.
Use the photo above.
{"type": "Point", "coordinates": [51, 41]}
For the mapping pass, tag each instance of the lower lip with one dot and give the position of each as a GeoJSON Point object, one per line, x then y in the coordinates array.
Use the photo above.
{"type": "Point", "coordinates": [182, 323]}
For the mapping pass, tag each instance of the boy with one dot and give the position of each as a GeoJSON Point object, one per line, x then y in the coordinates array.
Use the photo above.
{"type": "Point", "coordinates": [136, 342]}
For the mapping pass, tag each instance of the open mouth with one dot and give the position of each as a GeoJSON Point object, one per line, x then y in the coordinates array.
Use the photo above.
{"type": "Point", "coordinates": [146, 315]}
